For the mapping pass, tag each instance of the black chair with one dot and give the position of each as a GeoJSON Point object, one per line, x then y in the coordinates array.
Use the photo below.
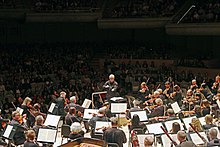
{"type": "Point", "coordinates": [65, 132]}
{"type": "Point", "coordinates": [139, 130]}
{"type": "Point", "coordinates": [112, 145]}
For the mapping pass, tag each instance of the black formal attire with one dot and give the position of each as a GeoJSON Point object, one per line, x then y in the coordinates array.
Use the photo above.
{"type": "Point", "coordinates": [60, 106]}
{"type": "Point", "coordinates": [214, 143]}
{"type": "Point", "coordinates": [111, 89]}
{"type": "Point", "coordinates": [114, 135]}
{"type": "Point", "coordinates": [19, 137]}
{"type": "Point", "coordinates": [208, 126]}
{"type": "Point", "coordinates": [186, 144]}
{"type": "Point", "coordinates": [69, 119]}
{"type": "Point", "coordinates": [158, 111]}
{"type": "Point", "coordinates": [30, 144]}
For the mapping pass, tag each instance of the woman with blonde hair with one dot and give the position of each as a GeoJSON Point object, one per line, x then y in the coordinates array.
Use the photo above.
{"type": "Point", "coordinates": [26, 105]}
{"type": "Point", "coordinates": [209, 122]}
{"type": "Point", "coordinates": [196, 124]}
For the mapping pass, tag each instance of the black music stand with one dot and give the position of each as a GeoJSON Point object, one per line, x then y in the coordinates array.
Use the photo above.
{"type": "Point", "coordinates": [47, 136]}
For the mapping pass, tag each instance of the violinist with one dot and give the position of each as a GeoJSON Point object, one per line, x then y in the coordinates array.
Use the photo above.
{"type": "Point", "coordinates": [60, 102]}
{"type": "Point", "coordinates": [39, 123]}
{"type": "Point", "coordinates": [216, 85]}
{"type": "Point", "coordinates": [19, 137]}
{"type": "Point", "coordinates": [167, 91]}
{"type": "Point", "coordinates": [26, 106]}
{"type": "Point", "coordinates": [209, 122]}
{"type": "Point", "coordinates": [193, 85]}
{"type": "Point", "coordinates": [31, 139]}
{"type": "Point", "coordinates": [159, 109]}
{"type": "Point", "coordinates": [177, 95]}
{"type": "Point", "coordinates": [188, 101]}
{"type": "Point", "coordinates": [143, 93]}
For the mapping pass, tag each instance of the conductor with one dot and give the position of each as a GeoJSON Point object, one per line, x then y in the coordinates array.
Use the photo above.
{"type": "Point", "coordinates": [111, 87]}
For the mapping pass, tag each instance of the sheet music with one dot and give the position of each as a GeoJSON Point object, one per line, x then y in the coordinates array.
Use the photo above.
{"type": "Point", "coordinates": [100, 124]}
{"type": "Point", "coordinates": [20, 110]}
{"type": "Point", "coordinates": [118, 107]}
{"type": "Point", "coordinates": [202, 120]}
{"type": "Point", "coordinates": [52, 105]}
{"type": "Point", "coordinates": [196, 139]}
{"type": "Point", "coordinates": [218, 103]}
{"type": "Point", "coordinates": [52, 120]}
{"type": "Point", "coordinates": [142, 115]}
{"type": "Point", "coordinates": [155, 128]}
{"type": "Point", "coordinates": [187, 121]}
{"type": "Point", "coordinates": [88, 113]}
{"type": "Point", "coordinates": [86, 103]}
{"type": "Point", "coordinates": [47, 135]}
{"type": "Point", "coordinates": [176, 108]}
{"type": "Point", "coordinates": [169, 124]}
{"type": "Point", "coordinates": [116, 98]}
{"type": "Point", "coordinates": [142, 137]}
{"type": "Point", "coordinates": [166, 141]}
{"type": "Point", "coordinates": [8, 131]}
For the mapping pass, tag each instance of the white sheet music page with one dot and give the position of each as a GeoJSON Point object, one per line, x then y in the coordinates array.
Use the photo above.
{"type": "Point", "coordinates": [86, 103]}
{"type": "Point", "coordinates": [88, 113]}
{"type": "Point", "coordinates": [20, 110]}
{"type": "Point", "coordinates": [196, 139]}
{"type": "Point", "coordinates": [116, 98]}
{"type": "Point", "coordinates": [187, 121]}
{"type": "Point", "coordinates": [8, 131]}
{"type": "Point", "coordinates": [100, 125]}
{"type": "Point", "coordinates": [176, 108]}
{"type": "Point", "coordinates": [142, 115]}
{"type": "Point", "coordinates": [118, 107]}
{"type": "Point", "coordinates": [142, 137]}
{"type": "Point", "coordinates": [169, 124]}
{"type": "Point", "coordinates": [155, 128]}
{"type": "Point", "coordinates": [52, 105]}
{"type": "Point", "coordinates": [46, 135]}
{"type": "Point", "coordinates": [202, 120]}
{"type": "Point", "coordinates": [52, 120]}
{"type": "Point", "coordinates": [166, 141]}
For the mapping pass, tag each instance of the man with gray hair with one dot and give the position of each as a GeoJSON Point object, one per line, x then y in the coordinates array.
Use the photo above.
{"type": "Point", "coordinates": [181, 136]}
{"type": "Point", "coordinates": [214, 141]}
{"type": "Point", "coordinates": [111, 87]}
{"type": "Point", "coordinates": [72, 103]}
{"type": "Point", "coordinates": [148, 141]}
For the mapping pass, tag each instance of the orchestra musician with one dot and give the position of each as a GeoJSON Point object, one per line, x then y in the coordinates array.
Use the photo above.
{"type": "Point", "coordinates": [181, 136]}
{"type": "Point", "coordinates": [196, 125]}
{"type": "Point", "coordinates": [19, 137]}
{"type": "Point", "coordinates": [114, 135]}
{"type": "Point", "coordinates": [193, 85]}
{"type": "Point", "coordinates": [216, 85]}
{"type": "Point", "coordinates": [97, 117]}
{"type": "Point", "coordinates": [148, 141]}
{"type": "Point", "coordinates": [72, 103]}
{"type": "Point", "coordinates": [135, 123]}
{"type": "Point", "coordinates": [159, 109]}
{"type": "Point", "coordinates": [214, 140]}
{"type": "Point", "coordinates": [177, 95]}
{"type": "Point", "coordinates": [143, 93]}
{"type": "Point", "coordinates": [71, 117]}
{"type": "Point", "coordinates": [76, 131]}
{"type": "Point", "coordinates": [60, 102]}
{"type": "Point", "coordinates": [26, 106]}
{"type": "Point", "coordinates": [111, 87]}
{"type": "Point", "coordinates": [39, 123]}
{"type": "Point", "coordinates": [188, 101]}
{"type": "Point", "coordinates": [175, 128]}
{"type": "Point", "coordinates": [209, 122]}
{"type": "Point", "coordinates": [167, 91]}
{"type": "Point", "coordinates": [30, 139]}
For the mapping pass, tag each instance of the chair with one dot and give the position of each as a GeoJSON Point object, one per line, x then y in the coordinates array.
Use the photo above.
{"type": "Point", "coordinates": [139, 130]}
{"type": "Point", "coordinates": [112, 145]}
{"type": "Point", "coordinates": [65, 132]}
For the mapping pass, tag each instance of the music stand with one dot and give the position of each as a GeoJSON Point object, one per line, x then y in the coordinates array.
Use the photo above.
{"type": "Point", "coordinates": [118, 107]}
{"type": "Point", "coordinates": [86, 103]}
{"type": "Point", "coordinates": [168, 124]}
{"type": "Point", "coordinates": [99, 125]}
{"type": "Point", "coordinates": [53, 108]}
{"type": "Point", "coordinates": [141, 138]}
{"type": "Point", "coordinates": [52, 120]}
{"type": "Point", "coordinates": [47, 136]}
{"type": "Point", "coordinates": [196, 139]}
{"type": "Point", "coordinates": [155, 128]}
{"type": "Point", "coordinates": [176, 108]}
{"type": "Point", "coordinates": [9, 133]}
{"type": "Point", "coordinates": [88, 113]}
{"type": "Point", "coordinates": [187, 121]}
{"type": "Point", "coordinates": [142, 115]}
{"type": "Point", "coordinates": [166, 141]}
